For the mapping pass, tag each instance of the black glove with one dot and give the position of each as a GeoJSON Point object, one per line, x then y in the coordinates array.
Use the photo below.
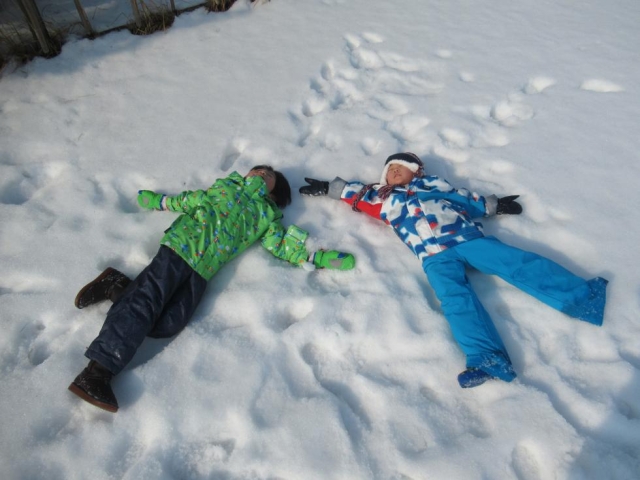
{"type": "Point", "coordinates": [508, 206]}
{"type": "Point", "coordinates": [315, 187]}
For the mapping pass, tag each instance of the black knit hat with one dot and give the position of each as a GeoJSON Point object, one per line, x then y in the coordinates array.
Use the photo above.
{"type": "Point", "coordinates": [407, 159]}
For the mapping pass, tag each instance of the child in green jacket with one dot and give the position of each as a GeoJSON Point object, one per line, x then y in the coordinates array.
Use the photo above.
{"type": "Point", "coordinates": [216, 225]}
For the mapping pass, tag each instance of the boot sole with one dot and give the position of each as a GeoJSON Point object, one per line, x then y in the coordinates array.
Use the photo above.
{"type": "Point", "coordinates": [73, 388]}
{"type": "Point", "coordinates": [101, 277]}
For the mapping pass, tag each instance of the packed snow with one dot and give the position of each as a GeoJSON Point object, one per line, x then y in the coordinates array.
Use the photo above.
{"type": "Point", "coordinates": [289, 374]}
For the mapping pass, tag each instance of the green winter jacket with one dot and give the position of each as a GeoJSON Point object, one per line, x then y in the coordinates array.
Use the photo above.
{"type": "Point", "coordinates": [219, 223]}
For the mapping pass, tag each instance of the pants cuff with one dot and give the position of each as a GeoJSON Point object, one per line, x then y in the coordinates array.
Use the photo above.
{"type": "Point", "coordinates": [494, 364]}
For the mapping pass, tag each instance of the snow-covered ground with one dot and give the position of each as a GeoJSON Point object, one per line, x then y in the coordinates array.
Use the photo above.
{"type": "Point", "coordinates": [286, 374]}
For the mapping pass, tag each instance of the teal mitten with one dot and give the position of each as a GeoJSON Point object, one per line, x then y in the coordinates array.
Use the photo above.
{"type": "Point", "coordinates": [150, 200]}
{"type": "Point", "coordinates": [333, 260]}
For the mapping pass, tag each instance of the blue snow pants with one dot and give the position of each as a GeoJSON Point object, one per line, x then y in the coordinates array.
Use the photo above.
{"type": "Point", "coordinates": [538, 276]}
{"type": "Point", "coordinates": [158, 303]}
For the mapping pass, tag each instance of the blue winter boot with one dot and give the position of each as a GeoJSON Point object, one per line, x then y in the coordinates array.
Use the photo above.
{"type": "Point", "coordinates": [472, 377]}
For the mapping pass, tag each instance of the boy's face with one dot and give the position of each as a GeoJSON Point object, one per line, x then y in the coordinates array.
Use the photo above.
{"type": "Point", "coordinates": [268, 176]}
{"type": "Point", "coordinates": [399, 174]}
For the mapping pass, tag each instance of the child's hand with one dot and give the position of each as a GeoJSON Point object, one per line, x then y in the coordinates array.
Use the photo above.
{"type": "Point", "coordinates": [334, 260]}
{"type": "Point", "coordinates": [315, 187]}
{"type": "Point", "coordinates": [150, 200]}
{"type": "Point", "coordinates": [508, 206]}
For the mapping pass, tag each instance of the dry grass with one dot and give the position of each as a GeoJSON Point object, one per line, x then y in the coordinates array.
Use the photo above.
{"type": "Point", "coordinates": [152, 20]}
{"type": "Point", "coordinates": [218, 5]}
{"type": "Point", "coordinates": [21, 46]}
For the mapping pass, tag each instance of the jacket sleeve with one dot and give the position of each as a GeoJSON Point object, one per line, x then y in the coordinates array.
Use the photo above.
{"type": "Point", "coordinates": [185, 201]}
{"type": "Point", "coordinates": [461, 199]}
{"type": "Point", "coordinates": [286, 244]}
{"type": "Point", "coordinates": [352, 192]}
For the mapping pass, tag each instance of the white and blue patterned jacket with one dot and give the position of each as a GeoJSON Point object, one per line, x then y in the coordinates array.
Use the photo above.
{"type": "Point", "coordinates": [428, 214]}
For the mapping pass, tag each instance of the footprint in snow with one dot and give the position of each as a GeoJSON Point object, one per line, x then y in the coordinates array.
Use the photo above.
{"type": "Point", "coordinates": [371, 146]}
{"type": "Point", "coordinates": [269, 405]}
{"type": "Point", "coordinates": [352, 41]}
{"type": "Point", "coordinates": [410, 436]}
{"type": "Point", "coordinates": [372, 37]}
{"type": "Point", "coordinates": [454, 155]}
{"type": "Point", "coordinates": [454, 138]}
{"type": "Point", "coordinates": [453, 145]}
{"type": "Point", "coordinates": [407, 128]}
{"type": "Point", "coordinates": [526, 462]}
{"type": "Point", "coordinates": [538, 85]}
{"type": "Point", "coordinates": [601, 86]}
{"type": "Point", "coordinates": [467, 77]}
{"type": "Point", "coordinates": [346, 94]}
{"type": "Point", "coordinates": [444, 54]}
{"type": "Point", "coordinates": [25, 340]}
{"type": "Point", "coordinates": [331, 377]}
{"type": "Point", "coordinates": [362, 58]}
{"type": "Point", "coordinates": [328, 71]}
{"type": "Point", "coordinates": [500, 167]}
{"type": "Point", "coordinates": [387, 107]}
{"type": "Point", "coordinates": [19, 184]}
{"type": "Point", "coordinates": [417, 84]}
{"type": "Point", "coordinates": [511, 113]}
{"type": "Point", "coordinates": [308, 134]}
{"type": "Point", "coordinates": [296, 312]}
{"type": "Point", "coordinates": [314, 105]}
{"type": "Point", "coordinates": [26, 283]}
{"type": "Point", "coordinates": [490, 135]}
{"type": "Point", "coordinates": [399, 62]}
{"type": "Point", "coordinates": [232, 153]}
{"type": "Point", "coordinates": [201, 458]}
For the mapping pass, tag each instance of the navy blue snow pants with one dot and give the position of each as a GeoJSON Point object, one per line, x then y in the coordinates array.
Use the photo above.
{"type": "Point", "coordinates": [538, 276]}
{"type": "Point", "coordinates": [158, 304]}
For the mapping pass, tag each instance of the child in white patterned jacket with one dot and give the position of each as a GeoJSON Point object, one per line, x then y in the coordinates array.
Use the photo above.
{"type": "Point", "coordinates": [436, 222]}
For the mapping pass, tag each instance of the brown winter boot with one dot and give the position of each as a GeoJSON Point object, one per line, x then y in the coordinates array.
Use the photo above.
{"type": "Point", "coordinates": [94, 386]}
{"type": "Point", "coordinates": [109, 285]}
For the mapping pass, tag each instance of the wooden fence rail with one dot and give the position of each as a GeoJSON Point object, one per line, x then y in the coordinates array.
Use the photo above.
{"type": "Point", "coordinates": [143, 18]}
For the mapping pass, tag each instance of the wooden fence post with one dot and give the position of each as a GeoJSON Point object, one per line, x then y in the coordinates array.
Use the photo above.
{"type": "Point", "coordinates": [83, 18]}
{"type": "Point", "coordinates": [37, 25]}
